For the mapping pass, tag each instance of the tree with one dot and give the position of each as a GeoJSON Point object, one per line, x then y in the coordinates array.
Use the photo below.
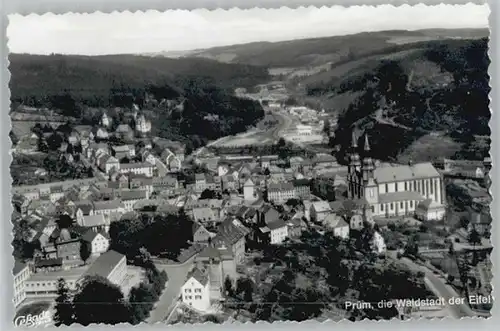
{"type": "Point", "coordinates": [464, 222]}
{"type": "Point", "coordinates": [208, 194]}
{"type": "Point", "coordinates": [54, 141]}
{"type": "Point", "coordinates": [23, 248]}
{"type": "Point", "coordinates": [450, 279]}
{"type": "Point", "coordinates": [411, 248]}
{"type": "Point", "coordinates": [85, 250]}
{"type": "Point", "coordinates": [228, 286]}
{"type": "Point", "coordinates": [347, 210]}
{"type": "Point", "coordinates": [141, 301]}
{"type": "Point", "coordinates": [267, 172]}
{"type": "Point", "coordinates": [245, 286]}
{"type": "Point", "coordinates": [213, 318]}
{"type": "Point", "coordinates": [64, 308]}
{"type": "Point", "coordinates": [99, 301]}
{"type": "Point", "coordinates": [64, 221]}
{"type": "Point", "coordinates": [292, 202]}
{"type": "Point", "coordinates": [144, 258]}
{"type": "Point", "coordinates": [474, 238]}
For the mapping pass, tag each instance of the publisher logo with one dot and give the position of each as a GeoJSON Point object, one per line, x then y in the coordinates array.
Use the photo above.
{"type": "Point", "coordinates": [30, 320]}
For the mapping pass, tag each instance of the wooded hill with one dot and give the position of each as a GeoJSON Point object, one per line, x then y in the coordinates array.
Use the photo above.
{"type": "Point", "coordinates": [72, 83]}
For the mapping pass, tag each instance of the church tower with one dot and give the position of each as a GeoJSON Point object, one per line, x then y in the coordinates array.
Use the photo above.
{"type": "Point", "coordinates": [354, 169]}
{"type": "Point", "coordinates": [370, 189]}
{"type": "Point", "coordinates": [368, 165]}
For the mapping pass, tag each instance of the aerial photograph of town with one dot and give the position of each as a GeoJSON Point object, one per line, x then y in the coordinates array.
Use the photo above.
{"type": "Point", "coordinates": [258, 165]}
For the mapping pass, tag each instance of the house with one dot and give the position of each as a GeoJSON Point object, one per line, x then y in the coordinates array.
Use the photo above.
{"type": "Point", "coordinates": [278, 231]}
{"type": "Point", "coordinates": [27, 144]}
{"type": "Point", "coordinates": [296, 162]}
{"type": "Point", "coordinates": [110, 265]}
{"type": "Point", "coordinates": [319, 211]}
{"type": "Point", "coordinates": [325, 160]}
{"type": "Point", "coordinates": [98, 242]}
{"type": "Point", "coordinates": [302, 189]}
{"type": "Point", "coordinates": [141, 182]}
{"type": "Point", "coordinates": [130, 197]}
{"type": "Point", "coordinates": [249, 192]}
{"type": "Point", "coordinates": [429, 210]}
{"type": "Point", "coordinates": [147, 156]}
{"type": "Point", "coordinates": [107, 206]}
{"type": "Point", "coordinates": [123, 151]}
{"type": "Point", "coordinates": [172, 161]}
{"type": "Point", "coordinates": [68, 249]}
{"type": "Point", "coordinates": [142, 168]}
{"type": "Point", "coordinates": [378, 243]}
{"type": "Point", "coordinates": [295, 226]}
{"type": "Point", "coordinates": [231, 234]}
{"type": "Point", "coordinates": [196, 290]}
{"type": "Point", "coordinates": [83, 208]}
{"type": "Point", "coordinates": [21, 273]}
{"type": "Point", "coordinates": [100, 133]}
{"type": "Point", "coordinates": [204, 215]}
{"type": "Point", "coordinates": [201, 234]}
{"type": "Point", "coordinates": [267, 160]}
{"type": "Point", "coordinates": [268, 214]}
{"type": "Point", "coordinates": [200, 182]}
{"type": "Point", "coordinates": [108, 163]}
{"type": "Point", "coordinates": [125, 132]}
{"type": "Point", "coordinates": [95, 222]}
{"type": "Point", "coordinates": [280, 193]}
{"type": "Point", "coordinates": [56, 193]}
{"type": "Point", "coordinates": [337, 225]}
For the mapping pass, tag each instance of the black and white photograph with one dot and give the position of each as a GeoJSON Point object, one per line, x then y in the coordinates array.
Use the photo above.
{"type": "Point", "coordinates": [221, 166]}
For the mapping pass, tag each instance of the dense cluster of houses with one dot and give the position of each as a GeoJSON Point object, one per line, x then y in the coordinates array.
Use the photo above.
{"type": "Point", "coordinates": [235, 201]}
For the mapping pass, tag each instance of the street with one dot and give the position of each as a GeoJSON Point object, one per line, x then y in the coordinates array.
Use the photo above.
{"type": "Point", "coordinates": [176, 277]}
{"type": "Point", "coordinates": [439, 287]}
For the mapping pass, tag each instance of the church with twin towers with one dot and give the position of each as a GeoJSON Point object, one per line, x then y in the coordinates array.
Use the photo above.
{"type": "Point", "coordinates": [393, 190]}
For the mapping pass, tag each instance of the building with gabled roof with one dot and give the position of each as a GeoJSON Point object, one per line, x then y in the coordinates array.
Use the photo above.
{"type": "Point", "coordinates": [98, 241]}
{"type": "Point", "coordinates": [110, 265]}
{"type": "Point", "coordinates": [196, 290]}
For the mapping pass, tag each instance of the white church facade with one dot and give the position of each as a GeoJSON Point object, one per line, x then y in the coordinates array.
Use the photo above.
{"type": "Point", "coordinates": [396, 190]}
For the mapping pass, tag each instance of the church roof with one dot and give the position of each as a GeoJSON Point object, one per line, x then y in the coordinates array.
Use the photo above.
{"type": "Point", "coordinates": [389, 174]}
{"type": "Point", "coordinates": [400, 196]}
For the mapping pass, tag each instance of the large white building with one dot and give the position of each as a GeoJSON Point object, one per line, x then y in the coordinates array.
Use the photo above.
{"type": "Point", "coordinates": [394, 190]}
{"type": "Point", "coordinates": [21, 273]}
{"type": "Point", "coordinates": [196, 291]}
{"type": "Point", "coordinates": [142, 168]}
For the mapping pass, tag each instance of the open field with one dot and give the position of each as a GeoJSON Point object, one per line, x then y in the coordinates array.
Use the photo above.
{"type": "Point", "coordinates": [430, 147]}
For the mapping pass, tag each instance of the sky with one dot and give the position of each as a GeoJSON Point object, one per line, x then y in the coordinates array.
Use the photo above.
{"type": "Point", "coordinates": [177, 30]}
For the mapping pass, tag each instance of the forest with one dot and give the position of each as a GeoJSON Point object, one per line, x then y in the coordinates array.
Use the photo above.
{"type": "Point", "coordinates": [71, 84]}
{"type": "Point", "coordinates": [387, 105]}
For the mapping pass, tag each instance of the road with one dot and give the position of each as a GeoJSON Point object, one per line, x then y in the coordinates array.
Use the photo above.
{"type": "Point", "coordinates": [284, 124]}
{"type": "Point", "coordinates": [176, 278]}
{"type": "Point", "coordinates": [440, 288]}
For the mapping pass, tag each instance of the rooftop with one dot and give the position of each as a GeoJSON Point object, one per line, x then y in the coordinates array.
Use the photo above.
{"type": "Point", "coordinates": [93, 220]}
{"type": "Point", "coordinates": [104, 264]}
{"type": "Point", "coordinates": [70, 274]}
{"type": "Point", "coordinates": [125, 166]}
{"type": "Point", "coordinates": [400, 196]}
{"type": "Point", "coordinates": [392, 173]}
{"type": "Point", "coordinates": [107, 204]}
{"type": "Point", "coordinates": [200, 276]}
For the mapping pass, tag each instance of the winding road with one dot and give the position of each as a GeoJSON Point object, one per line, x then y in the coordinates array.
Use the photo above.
{"type": "Point", "coordinates": [176, 278]}
{"type": "Point", "coordinates": [439, 287]}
